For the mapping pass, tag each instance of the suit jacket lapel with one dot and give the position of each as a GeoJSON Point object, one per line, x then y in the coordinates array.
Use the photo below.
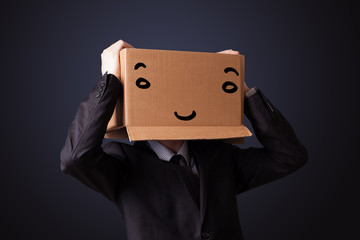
{"type": "Point", "coordinates": [144, 146]}
{"type": "Point", "coordinates": [201, 157]}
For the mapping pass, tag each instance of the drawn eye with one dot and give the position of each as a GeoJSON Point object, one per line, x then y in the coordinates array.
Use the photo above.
{"type": "Point", "coordinates": [142, 83]}
{"type": "Point", "coordinates": [229, 87]}
{"type": "Point", "coordinates": [139, 64]}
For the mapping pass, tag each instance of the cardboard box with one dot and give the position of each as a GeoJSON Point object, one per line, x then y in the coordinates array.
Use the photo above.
{"type": "Point", "coordinates": [172, 95]}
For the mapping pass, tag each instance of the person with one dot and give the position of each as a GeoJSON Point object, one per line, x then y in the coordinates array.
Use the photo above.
{"type": "Point", "coordinates": [164, 198]}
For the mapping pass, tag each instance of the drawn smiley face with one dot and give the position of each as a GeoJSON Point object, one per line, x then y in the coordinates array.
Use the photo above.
{"type": "Point", "coordinates": [228, 87]}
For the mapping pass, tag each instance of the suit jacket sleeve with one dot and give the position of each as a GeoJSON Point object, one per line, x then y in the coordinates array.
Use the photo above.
{"type": "Point", "coordinates": [82, 155]}
{"type": "Point", "coordinates": [282, 152]}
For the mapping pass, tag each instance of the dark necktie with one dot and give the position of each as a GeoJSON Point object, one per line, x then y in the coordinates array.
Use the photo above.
{"type": "Point", "coordinates": [190, 178]}
{"type": "Point", "coordinates": [179, 160]}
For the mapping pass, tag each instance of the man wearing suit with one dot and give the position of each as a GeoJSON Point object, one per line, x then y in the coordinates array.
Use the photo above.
{"type": "Point", "coordinates": [189, 196]}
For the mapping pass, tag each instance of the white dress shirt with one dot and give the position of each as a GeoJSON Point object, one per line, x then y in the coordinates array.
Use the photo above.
{"type": "Point", "coordinates": [165, 154]}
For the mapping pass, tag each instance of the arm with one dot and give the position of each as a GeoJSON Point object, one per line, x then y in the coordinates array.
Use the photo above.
{"type": "Point", "coordinates": [82, 155]}
{"type": "Point", "coordinates": [282, 153]}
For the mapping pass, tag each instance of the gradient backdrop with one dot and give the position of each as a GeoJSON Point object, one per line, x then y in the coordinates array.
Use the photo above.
{"type": "Point", "coordinates": [302, 54]}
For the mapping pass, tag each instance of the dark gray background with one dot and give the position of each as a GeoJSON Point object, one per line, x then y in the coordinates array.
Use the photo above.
{"type": "Point", "coordinates": [302, 54]}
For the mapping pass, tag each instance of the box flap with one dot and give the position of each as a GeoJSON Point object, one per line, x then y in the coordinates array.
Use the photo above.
{"type": "Point", "coordinates": [179, 133]}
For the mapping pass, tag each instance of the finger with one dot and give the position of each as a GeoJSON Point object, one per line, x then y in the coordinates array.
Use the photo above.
{"type": "Point", "coordinates": [127, 45]}
{"type": "Point", "coordinates": [230, 51]}
{"type": "Point", "coordinates": [117, 46]}
{"type": "Point", "coordinates": [224, 51]}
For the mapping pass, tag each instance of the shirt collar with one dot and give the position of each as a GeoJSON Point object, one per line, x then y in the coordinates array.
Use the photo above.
{"type": "Point", "coordinates": [165, 154]}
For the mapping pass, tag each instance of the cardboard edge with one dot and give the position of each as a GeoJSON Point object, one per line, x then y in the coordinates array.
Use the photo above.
{"type": "Point", "coordinates": [117, 133]}
{"type": "Point", "coordinates": [131, 133]}
{"type": "Point", "coordinates": [137, 133]}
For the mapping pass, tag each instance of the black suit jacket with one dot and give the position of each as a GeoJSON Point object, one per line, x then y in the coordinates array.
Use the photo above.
{"type": "Point", "coordinates": [152, 194]}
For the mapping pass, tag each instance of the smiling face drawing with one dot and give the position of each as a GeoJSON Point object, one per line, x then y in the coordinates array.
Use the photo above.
{"type": "Point", "coordinates": [176, 88]}
{"type": "Point", "coordinates": [144, 84]}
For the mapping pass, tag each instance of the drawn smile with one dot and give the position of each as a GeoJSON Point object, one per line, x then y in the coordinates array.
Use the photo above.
{"type": "Point", "coordinates": [185, 118]}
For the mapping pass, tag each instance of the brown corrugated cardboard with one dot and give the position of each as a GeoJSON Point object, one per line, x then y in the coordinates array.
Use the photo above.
{"type": "Point", "coordinates": [172, 95]}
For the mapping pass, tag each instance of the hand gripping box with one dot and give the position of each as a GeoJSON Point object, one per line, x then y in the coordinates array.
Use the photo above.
{"type": "Point", "coordinates": [170, 95]}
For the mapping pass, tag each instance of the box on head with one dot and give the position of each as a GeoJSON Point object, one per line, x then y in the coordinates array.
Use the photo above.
{"type": "Point", "coordinates": [173, 95]}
